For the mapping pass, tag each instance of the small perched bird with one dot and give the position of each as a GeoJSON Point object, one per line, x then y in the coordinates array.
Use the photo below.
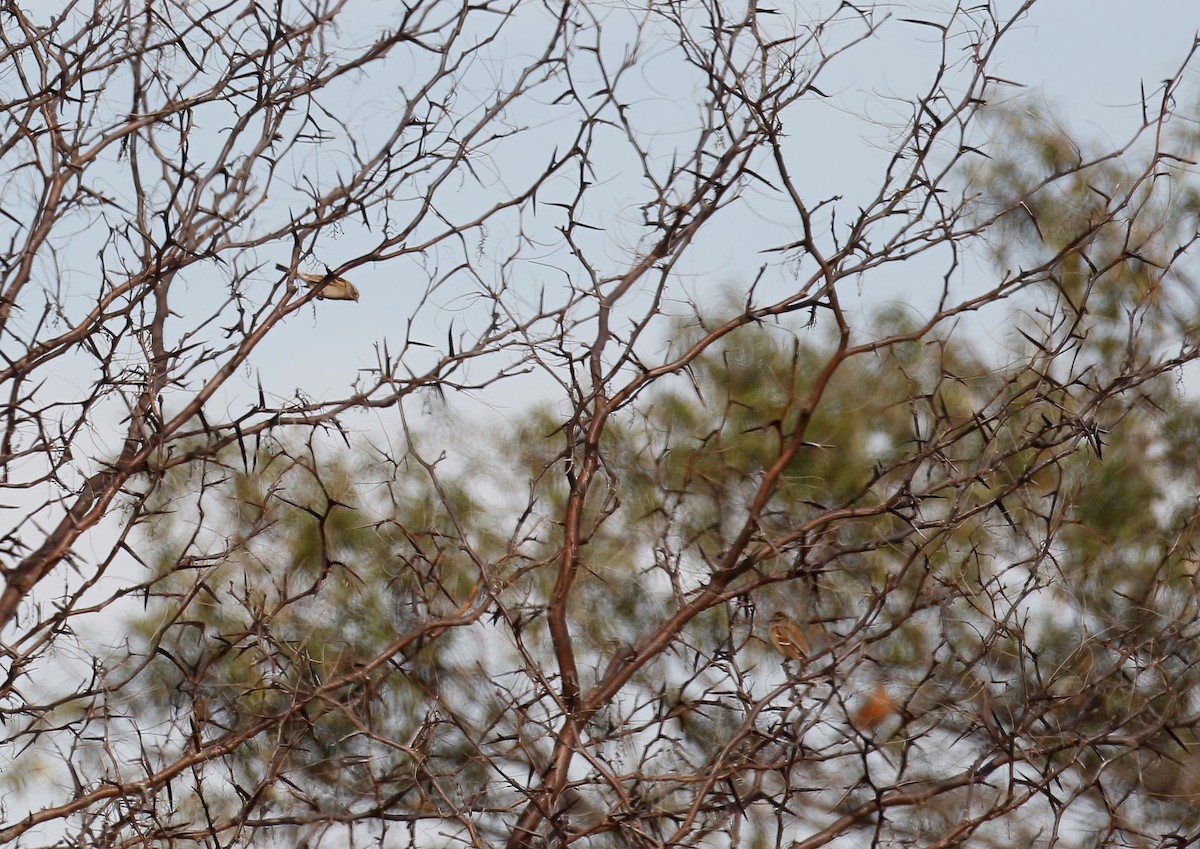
{"type": "Point", "coordinates": [337, 289]}
{"type": "Point", "coordinates": [874, 708]}
{"type": "Point", "coordinates": [787, 638]}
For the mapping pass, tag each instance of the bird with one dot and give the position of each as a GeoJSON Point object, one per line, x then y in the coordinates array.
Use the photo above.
{"type": "Point", "coordinates": [337, 289]}
{"type": "Point", "coordinates": [788, 638]}
{"type": "Point", "coordinates": [874, 708]}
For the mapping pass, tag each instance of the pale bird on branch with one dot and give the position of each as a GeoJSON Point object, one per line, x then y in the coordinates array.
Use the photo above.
{"type": "Point", "coordinates": [337, 289]}
{"type": "Point", "coordinates": [788, 638]}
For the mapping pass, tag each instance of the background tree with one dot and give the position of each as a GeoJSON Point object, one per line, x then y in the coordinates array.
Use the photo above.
{"type": "Point", "coordinates": [388, 610]}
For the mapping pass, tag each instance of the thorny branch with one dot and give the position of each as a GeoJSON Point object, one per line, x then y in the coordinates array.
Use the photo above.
{"type": "Point", "coordinates": [238, 613]}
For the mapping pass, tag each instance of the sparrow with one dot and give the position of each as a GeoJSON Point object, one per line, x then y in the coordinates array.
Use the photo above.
{"type": "Point", "coordinates": [337, 289]}
{"type": "Point", "coordinates": [787, 638]}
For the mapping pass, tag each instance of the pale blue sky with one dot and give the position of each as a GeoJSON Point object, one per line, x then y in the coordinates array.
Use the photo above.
{"type": "Point", "coordinates": [1084, 62]}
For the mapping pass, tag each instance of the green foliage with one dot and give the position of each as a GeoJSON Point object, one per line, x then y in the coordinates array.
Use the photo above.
{"type": "Point", "coordinates": [300, 588]}
{"type": "Point", "coordinates": [1000, 543]}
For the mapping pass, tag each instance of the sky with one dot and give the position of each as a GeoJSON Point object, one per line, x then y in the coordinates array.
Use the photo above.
{"type": "Point", "coordinates": [1084, 65]}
